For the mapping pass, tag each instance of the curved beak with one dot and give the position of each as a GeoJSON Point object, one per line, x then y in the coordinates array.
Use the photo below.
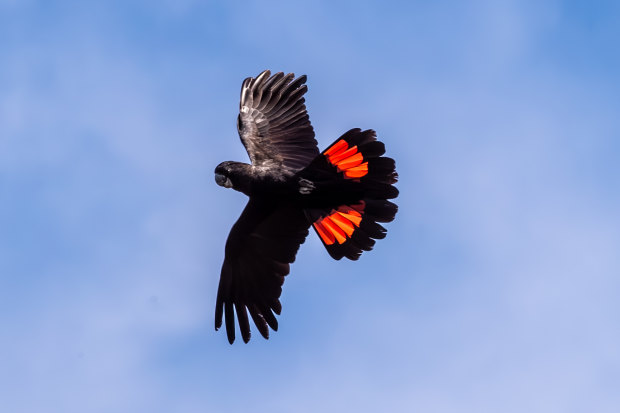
{"type": "Point", "coordinates": [222, 180]}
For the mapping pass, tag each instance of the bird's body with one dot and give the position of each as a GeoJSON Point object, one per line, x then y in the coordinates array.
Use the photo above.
{"type": "Point", "coordinates": [342, 192]}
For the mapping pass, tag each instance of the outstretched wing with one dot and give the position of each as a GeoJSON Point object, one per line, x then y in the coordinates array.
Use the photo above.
{"type": "Point", "coordinates": [260, 247]}
{"type": "Point", "coordinates": [273, 123]}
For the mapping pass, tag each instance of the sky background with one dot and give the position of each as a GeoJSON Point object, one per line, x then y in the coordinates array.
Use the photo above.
{"type": "Point", "coordinates": [497, 288]}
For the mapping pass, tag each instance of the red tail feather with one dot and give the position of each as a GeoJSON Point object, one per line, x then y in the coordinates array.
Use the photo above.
{"type": "Point", "coordinates": [355, 159]}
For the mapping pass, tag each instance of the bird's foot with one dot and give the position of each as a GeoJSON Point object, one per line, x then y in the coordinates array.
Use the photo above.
{"type": "Point", "coordinates": [305, 186]}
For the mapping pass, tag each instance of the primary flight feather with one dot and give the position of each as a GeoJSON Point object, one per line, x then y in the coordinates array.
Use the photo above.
{"type": "Point", "coordinates": [341, 192]}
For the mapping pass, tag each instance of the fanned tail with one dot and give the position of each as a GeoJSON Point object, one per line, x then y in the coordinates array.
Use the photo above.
{"type": "Point", "coordinates": [361, 182]}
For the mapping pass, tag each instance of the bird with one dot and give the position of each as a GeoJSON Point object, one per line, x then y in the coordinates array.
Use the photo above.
{"type": "Point", "coordinates": [343, 193]}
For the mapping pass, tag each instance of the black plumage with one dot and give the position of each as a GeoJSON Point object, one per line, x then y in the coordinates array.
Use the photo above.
{"type": "Point", "coordinates": [342, 192]}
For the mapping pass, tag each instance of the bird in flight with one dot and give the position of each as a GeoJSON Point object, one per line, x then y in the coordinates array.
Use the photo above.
{"type": "Point", "coordinates": [342, 193]}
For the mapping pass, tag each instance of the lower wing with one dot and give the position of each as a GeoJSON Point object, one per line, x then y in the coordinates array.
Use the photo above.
{"type": "Point", "coordinates": [260, 248]}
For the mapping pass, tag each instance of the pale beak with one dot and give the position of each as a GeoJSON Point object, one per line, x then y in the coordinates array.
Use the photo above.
{"type": "Point", "coordinates": [222, 180]}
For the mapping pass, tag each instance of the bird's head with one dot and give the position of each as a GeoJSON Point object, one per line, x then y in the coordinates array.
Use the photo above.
{"type": "Point", "coordinates": [223, 174]}
{"type": "Point", "coordinates": [230, 174]}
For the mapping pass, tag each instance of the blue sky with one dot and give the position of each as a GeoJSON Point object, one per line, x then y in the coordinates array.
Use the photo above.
{"type": "Point", "coordinates": [496, 288]}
